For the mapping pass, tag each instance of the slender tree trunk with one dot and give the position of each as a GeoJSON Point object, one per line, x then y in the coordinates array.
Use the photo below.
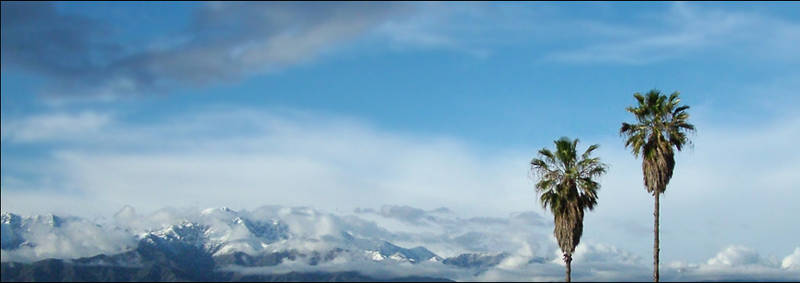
{"type": "Point", "coordinates": [568, 260]}
{"type": "Point", "coordinates": [655, 243]}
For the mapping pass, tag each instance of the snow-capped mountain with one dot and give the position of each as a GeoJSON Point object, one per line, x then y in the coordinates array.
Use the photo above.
{"type": "Point", "coordinates": [11, 226]}
{"type": "Point", "coordinates": [304, 244]}
{"type": "Point", "coordinates": [221, 232]}
{"type": "Point", "coordinates": [214, 240]}
{"type": "Point", "coordinates": [228, 243]}
{"type": "Point", "coordinates": [263, 237]}
{"type": "Point", "coordinates": [14, 226]}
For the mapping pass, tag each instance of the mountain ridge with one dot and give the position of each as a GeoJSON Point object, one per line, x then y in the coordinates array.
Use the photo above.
{"type": "Point", "coordinates": [204, 247]}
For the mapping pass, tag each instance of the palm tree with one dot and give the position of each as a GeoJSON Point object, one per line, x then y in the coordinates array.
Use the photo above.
{"type": "Point", "coordinates": [661, 124]}
{"type": "Point", "coordinates": [566, 185]}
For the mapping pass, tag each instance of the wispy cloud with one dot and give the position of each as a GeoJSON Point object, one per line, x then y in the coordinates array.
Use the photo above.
{"type": "Point", "coordinates": [54, 127]}
{"type": "Point", "coordinates": [688, 29]}
{"type": "Point", "coordinates": [273, 159]}
{"type": "Point", "coordinates": [463, 28]}
{"type": "Point", "coordinates": [223, 42]}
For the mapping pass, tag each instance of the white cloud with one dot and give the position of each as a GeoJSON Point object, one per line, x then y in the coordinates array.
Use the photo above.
{"type": "Point", "coordinates": [460, 28]}
{"type": "Point", "coordinates": [262, 158]}
{"type": "Point", "coordinates": [600, 253]}
{"type": "Point", "coordinates": [48, 236]}
{"type": "Point", "coordinates": [733, 263]}
{"type": "Point", "coordinates": [736, 256]}
{"type": "Point", "coordinates": [686, 29]}
{"type": "Point", "coordinates": [245, 159]}
{"type": "Point", "coordinates": [792, 261]}
{"type": "Point", "coordinates": [54, 126]}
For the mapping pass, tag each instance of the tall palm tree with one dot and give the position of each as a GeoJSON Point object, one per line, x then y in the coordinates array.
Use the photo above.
{"type": "Point", "coordinates": [661, 124]}
{"type": "Point", "coordinates": [566, 185]}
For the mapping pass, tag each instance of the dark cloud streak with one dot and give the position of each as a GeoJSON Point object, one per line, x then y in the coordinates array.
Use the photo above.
{"type": "Point", "coordinates": [223, 42]}
{"type": "Point", "coordinates": [37, 37]}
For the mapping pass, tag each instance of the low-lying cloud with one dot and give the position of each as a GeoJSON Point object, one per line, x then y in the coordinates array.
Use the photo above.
{"type": "Point", "coordinates": [306, 229]}
{"type": "Point", "coordinates": [245, 158]}
{"type": "Point", "coordinates": [266, 158]}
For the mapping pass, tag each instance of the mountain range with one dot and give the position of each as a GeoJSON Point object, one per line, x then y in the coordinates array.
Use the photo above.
{"type": "Point", "coordinates": [217, 244]}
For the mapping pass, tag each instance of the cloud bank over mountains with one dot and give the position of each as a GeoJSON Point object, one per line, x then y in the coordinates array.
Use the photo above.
{"type": "Point", "coordinates": [332, 173]}
{"type": "Point", "coordinates": [244, 158]}
{"type": "Point", "coordinates": [381, 241]}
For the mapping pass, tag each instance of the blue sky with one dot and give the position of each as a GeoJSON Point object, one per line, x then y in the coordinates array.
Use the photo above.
{"type": "Point", "coordinates": [341, 106]}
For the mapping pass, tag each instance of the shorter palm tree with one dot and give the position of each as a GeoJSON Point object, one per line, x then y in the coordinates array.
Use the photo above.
{"type": "Point", "coordinates": [567, 186]}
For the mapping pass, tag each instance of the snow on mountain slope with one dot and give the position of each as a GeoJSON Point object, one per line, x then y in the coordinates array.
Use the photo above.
{"type": "Point", "coordinates": [216, 231]}
{"type": "Point", "coordinates": [50, 236]}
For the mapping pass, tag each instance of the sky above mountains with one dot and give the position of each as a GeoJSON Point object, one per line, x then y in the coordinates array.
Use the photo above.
{"type": "Point", "coordinates": [347, 106]}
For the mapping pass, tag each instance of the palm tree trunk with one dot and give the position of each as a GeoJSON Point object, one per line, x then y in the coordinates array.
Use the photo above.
{"type": "Point", "coordinates": [655, 243]}
{"type": "Point", "coordinates": [568, 260]}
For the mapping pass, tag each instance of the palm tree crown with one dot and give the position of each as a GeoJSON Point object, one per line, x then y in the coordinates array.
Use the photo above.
{"type": "Point", "coordinates": [566, 185]}
{"type": "Point", "coordinates": [660, 125]}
